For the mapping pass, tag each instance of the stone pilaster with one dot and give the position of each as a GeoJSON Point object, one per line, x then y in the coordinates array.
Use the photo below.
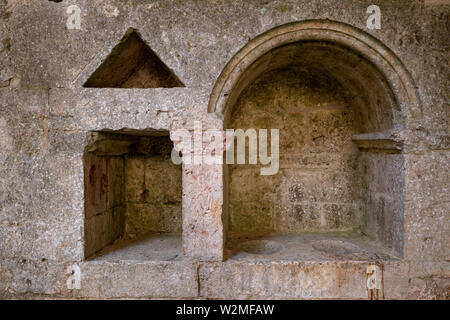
{"type": "Point", "coordinates": [203, 231]}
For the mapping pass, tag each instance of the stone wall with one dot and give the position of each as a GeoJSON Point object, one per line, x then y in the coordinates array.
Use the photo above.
{"type": "Point", "coordinates": [47, 117]}
{"type": "Point", "coordinates": [104, 201]}
{"type": "Point", "coordinates": [383, 197]}
{"type": "Point", "coordinates": [153, 196]}
{"type": "Point", "coordinates": [317, 187]}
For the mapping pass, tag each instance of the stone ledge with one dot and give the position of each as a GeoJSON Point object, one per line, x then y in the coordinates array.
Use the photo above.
{"type": "Point", "coordinates": [87, 109]}
{"type": "Point", "coordinates": [283, 280]}
{"type": "Point", "coordinates": [131, 279]}
{"type": "Point", "coordinates": [380, 141]}
{"type": "Point", "coordinates": [224, 280]}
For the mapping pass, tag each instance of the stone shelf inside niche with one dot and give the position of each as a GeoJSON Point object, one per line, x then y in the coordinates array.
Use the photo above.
{"type": "Point", "coordinates": [153, 247]}
{"type": "Point", "coordinates": [339, 246]}
{"type": "Point", "coordinates": [387, 141]}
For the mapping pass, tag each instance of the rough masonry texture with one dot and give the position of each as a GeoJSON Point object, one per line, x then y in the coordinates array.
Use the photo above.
{"type": "Point", "coordinates": [89, 120]}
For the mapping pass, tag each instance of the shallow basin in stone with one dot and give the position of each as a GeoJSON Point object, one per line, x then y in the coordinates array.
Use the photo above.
{"type": "Point", "coordinates": [335, 247]}
{"type": "Point", "coordinates": [264, 247]}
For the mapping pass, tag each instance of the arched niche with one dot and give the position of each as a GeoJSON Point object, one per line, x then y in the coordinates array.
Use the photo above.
{"type": "Point", "coordinates": [330, 81]}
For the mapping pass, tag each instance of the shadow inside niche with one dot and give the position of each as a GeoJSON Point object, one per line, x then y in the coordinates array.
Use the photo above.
{"type": "Point", "coordinates": [132, 64]}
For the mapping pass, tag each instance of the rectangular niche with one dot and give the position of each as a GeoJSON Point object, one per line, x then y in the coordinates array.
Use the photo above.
{"type": "Point", "coordinates": [132, 196]}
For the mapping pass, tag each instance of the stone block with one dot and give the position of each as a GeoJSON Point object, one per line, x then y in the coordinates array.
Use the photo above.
{"type": "Point", "coordinates": [97, 185]}
{"type": "Point", "coordinates": [162, 181]}
{"type": "Point", "coordinates": [331, 130]}
{"type": "Point", "coordinates": [116, 182]}
{"type": "Point", "coordinates": [146, 218]}
{"type": "Point", "coordinates": [297, 217]}
{"type": "Point", "coordinates": [247, 184]}
{"type": "Point", "coordinates": [135, 179]}
{"type": "Point", "coordinates": [131, 279]}
{"type": "Point", "coordinates": [251, 216]}
{"type": "Point", "coordinates": [203, 233]}
{"type": "Point", "coordinates": [427, 231]}
{"type": "Point", "coordinates": [427, 177]}
{"type": "Point", "coordinates": [293, 135]}
{"type": "Point", "coordinates": [341, 217]}
{"type": "Point", "coordinates": [283, 280]}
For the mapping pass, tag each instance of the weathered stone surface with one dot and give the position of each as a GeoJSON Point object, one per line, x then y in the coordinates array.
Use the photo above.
{"type": "Point", "coordinates": [429, 280]}
{"type": "Point", "coordinates": [117, 109]}
{"type": "Point", "coordinates": [153, 196]}
{"type": "Point", "coordinates": [135, 182]}
{"type": "Point", "coordinates": [399, 196]}
{"type": "Point", "coordinates": [330, 131]}
{"type": "Point", "coordinates": [41, 278]}
{"type": "Point", "coordinates": [383, 190]}
{"type": "Point", "coordinates": [315, 122]}
{"type": "Point", "coordinates": [251, 216]}
{"type": "Point", "coordinates": [427, 231]}
{"type": "Point", "coordinates": [427, 177]}
{"type": "Point", "coordinates": [427, 206]}
{"type": "Point", "coordinates": [203, 215]}
{"type": "Point", "coordinates": [133, 279]}
{"type": "Point", "coordinates": [299, 217]}
{"type": "Point", "coordinates": [33, 220]}
{"type": "Point", "coordinates": [283, 280]}
{"type": "Point", "coordinates": [145, 218]}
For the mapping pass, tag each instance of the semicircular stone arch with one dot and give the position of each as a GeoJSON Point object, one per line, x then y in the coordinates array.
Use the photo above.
{"type": "Point", "coordinates": [256, 57]}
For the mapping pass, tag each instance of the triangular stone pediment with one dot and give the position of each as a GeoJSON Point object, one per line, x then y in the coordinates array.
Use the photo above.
{"type": "Point", "coordinates": [132, 64]}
